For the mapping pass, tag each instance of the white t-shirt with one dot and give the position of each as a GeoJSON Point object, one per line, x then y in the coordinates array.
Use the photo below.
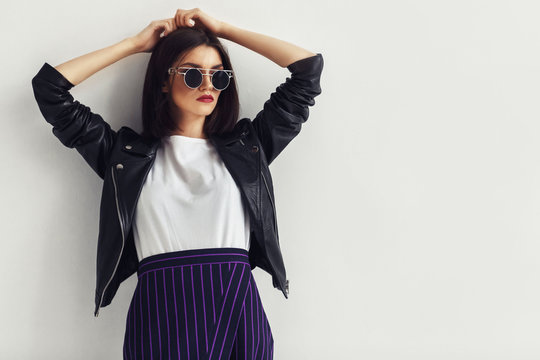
{"type": "Point", "coordinates": [189, 201]}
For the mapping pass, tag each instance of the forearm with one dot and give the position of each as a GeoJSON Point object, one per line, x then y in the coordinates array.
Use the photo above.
{"type": "Point", "coordinates": [281, 52]}
{"type": "Point", "coordinates": [82, 67]}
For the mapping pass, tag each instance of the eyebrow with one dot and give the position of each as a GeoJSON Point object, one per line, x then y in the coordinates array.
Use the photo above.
{"type": "Point", "coordinates": [199, 66]}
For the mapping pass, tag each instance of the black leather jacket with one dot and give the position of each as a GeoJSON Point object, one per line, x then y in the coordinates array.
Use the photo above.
{"type": "Point", "coordinates": [123, 159]}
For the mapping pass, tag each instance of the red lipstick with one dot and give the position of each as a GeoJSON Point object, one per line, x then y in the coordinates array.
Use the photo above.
{"type": "Point", "coordinates": [206, 98]}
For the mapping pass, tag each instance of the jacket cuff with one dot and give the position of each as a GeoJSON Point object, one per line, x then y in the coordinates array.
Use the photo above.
{"type": "Point", "coordinates": [310, 66]}
{"type": "Point", "coordinates": [50, 74]}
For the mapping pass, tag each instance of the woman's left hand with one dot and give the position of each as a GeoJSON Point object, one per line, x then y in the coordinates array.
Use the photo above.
{"type": "Point", "coordinates": [196, 18]}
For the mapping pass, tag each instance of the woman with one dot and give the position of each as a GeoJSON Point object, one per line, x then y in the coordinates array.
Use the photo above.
{"type": "Point", "coordinates": [189, 203]}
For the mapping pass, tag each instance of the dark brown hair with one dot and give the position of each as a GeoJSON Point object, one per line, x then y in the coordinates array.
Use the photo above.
{"type": "Point", "coordinates": [156, 118]}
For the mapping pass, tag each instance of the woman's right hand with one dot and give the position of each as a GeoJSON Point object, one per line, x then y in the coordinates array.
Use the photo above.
{"type": "Point", "coordinates": [150, 35]}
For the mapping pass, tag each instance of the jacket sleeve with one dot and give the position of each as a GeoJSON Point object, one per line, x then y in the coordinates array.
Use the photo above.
{"type": "Point", "coordinates": [287, 109]}
{"type": "Point", "coordinates": [73, 123]}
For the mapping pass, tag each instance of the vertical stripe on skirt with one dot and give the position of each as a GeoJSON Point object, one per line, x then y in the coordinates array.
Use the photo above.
{"type": "Point", "coordinates": [197, 304]}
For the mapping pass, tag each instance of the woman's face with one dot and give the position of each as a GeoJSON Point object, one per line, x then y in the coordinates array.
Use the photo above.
{"type": "Point", "coordinates": [185, 100]}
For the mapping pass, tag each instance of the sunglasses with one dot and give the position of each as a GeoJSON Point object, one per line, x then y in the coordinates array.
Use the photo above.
{"type": "Point", "coordinates": [193, 77]}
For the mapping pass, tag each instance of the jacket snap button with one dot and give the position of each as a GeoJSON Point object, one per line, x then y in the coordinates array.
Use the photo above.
{"type": "Point", "coordinates": [128, 146]}
{"type": "Point", "coordinates": [119, 166]}
{"type": "Point", "coordinates": [255, 148]}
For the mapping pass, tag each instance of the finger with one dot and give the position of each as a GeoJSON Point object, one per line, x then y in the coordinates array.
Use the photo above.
{"type": "Point", "coordinates": [169, 27]}
{"type": "Point", "coordinates": [180, 18]}
{"type": "Point", "coordinates": [163, 28]}
{"type": "Point", "coordinates": [195, 15]}
{"type": "Point", "coordinates": [188, 21]}
{"type": "Point", "coordinates": [173, 24]}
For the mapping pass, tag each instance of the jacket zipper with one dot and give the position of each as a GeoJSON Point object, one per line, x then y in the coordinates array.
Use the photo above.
{"type": "Point", "coordinates": [122, 249]}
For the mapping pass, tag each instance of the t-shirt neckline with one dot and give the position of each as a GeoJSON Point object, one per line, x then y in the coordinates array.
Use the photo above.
{"type": "Point", "coordinates": [190, 139]}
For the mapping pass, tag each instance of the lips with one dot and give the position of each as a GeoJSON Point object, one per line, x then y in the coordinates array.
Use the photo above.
{"type": "Point", "coordinates": [206, 97]}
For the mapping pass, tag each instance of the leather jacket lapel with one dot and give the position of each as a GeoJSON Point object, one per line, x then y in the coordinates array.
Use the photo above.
{"type": "Point", "coordinates": [240, 154]}
{"type": "Point", "coordinates": [130, 169]}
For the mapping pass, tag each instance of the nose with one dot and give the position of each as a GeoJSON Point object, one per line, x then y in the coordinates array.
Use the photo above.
{"type": "Point", "coordinates": [207, 81]}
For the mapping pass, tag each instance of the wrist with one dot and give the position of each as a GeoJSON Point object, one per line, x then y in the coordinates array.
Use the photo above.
{"type": "Point", "coordinates": [224, 30]}
{"type": "Point", "coordinates": [131, 45]}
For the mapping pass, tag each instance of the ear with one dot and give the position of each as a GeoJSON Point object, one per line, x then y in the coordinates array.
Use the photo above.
{"type": "Point", "coordinates": [165, 87]}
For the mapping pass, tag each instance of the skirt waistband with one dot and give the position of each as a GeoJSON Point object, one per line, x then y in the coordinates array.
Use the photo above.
{"type": "Point", "coordinates": [192, 257]}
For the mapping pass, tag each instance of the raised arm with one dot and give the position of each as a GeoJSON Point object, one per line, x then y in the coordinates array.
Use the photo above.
{"type": "Point", "coordinates": [287, 108]}
{"type": "Point", "coordinates": [82, 67]}
{"type": "Point", "coordinates": [74, 124]}
{"type": "Point", "coordinates": [279, 51]}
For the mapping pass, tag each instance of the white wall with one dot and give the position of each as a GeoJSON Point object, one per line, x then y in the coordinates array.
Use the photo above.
{"type": "Point", "coordinates": [408, 206]}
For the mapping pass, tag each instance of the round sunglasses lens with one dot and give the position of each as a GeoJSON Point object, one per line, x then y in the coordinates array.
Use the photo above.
{"type": "Point", "coordinates": [193, 78]}
{"type": "Point", "coordinates": [220, 80]}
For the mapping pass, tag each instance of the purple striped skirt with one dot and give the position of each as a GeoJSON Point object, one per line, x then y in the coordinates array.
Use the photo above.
{"type": "Point", "coordinates": [197, 304]}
